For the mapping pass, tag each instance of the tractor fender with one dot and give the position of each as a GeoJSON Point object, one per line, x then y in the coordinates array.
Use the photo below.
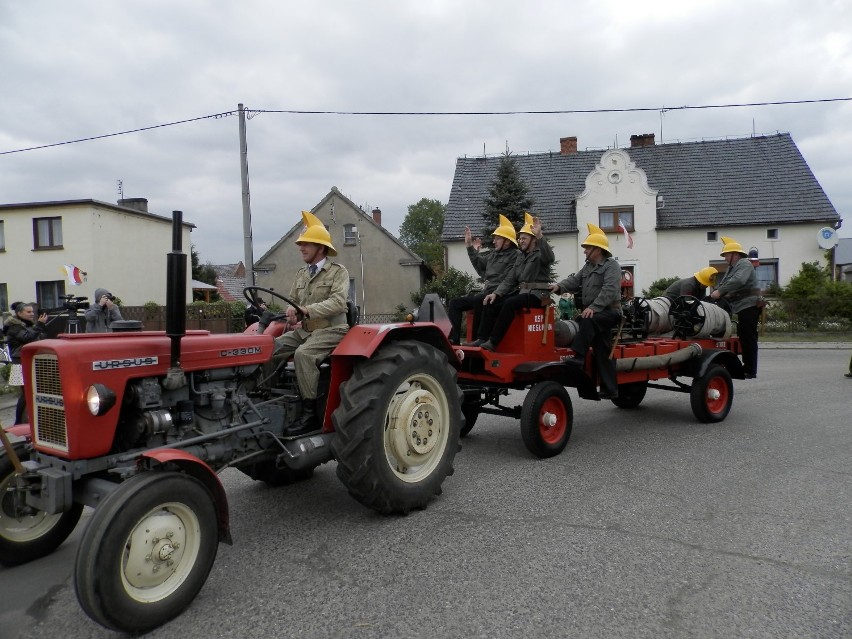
{"type": "Point", "coordinates": [363, 340]}
{"type": "Point", "coordinates": [725, 358]}
{"type": "Point", "coordinates": [191, 465]}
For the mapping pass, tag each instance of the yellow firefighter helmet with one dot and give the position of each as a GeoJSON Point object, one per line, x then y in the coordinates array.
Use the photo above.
{"type": "Point", "coordinates": [316, 233]}
{"type": "Point", "coordinates": [707, 276]}
{"type": "Point", "coordinates": [528, 222]}
{"type": "Point", "coordinates": [506, 230]}
{"type": "Point", "coordinates": [732, 246]}
{"type": "Point", "coordinates": [596, 238]}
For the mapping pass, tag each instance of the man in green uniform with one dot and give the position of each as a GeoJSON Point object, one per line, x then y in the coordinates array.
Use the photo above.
{"type": "Point", "coordinates": [320, 292]}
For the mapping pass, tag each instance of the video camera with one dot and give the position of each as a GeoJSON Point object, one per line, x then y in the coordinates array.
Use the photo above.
{"type": "Point", "coordinates": [72, 303]}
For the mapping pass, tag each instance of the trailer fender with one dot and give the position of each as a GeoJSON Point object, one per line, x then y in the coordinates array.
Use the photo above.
{"type": "Point", "coordinates": [723, 358]}
{"type": "Point", "coordinates": [193, 466]}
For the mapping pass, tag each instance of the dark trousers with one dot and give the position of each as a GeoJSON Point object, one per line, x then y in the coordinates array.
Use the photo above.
{"type": "Point", "coordinates": [458, 306]}
{"type": "Point", "coordinates": [747, 320]}
{"type": "Point", "coordinates": [505, 314]}
{"type": "Point", "coordinates": [21, 408]}
{"type": "Point", "coordinates": [596, 331]}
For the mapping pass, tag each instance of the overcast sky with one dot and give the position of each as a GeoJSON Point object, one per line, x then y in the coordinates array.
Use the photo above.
{"type": "Point", "coordinates": [71, 70]}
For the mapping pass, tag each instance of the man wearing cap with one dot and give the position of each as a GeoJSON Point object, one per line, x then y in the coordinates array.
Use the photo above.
{"type": "Point", "coordinates": [492, 267]}
{"type": "Point", "coordinates": [695, 286]}
{"type": "Point", "coordinates": [599, 285]}
{"type": "Point", "coordinates": [320, 294]}
{"type": "Point", "coordinates": [738, 287]}
{"type": "Point", "coordinates": [532, 265]}
{"type": "Point", "coordinates": [102, 312]}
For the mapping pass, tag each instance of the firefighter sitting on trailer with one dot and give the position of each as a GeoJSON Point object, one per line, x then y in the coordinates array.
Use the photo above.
{"type": "Point", "coordinates": [696, 286]}
{"type": "Point", "coordinates": [599, 282]}
{"type": "Point", "coordinates": [320, 291]}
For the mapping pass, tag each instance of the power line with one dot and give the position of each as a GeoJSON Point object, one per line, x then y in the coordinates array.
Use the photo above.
{"type": "Point", "coordinates": [111, 135]}
{"type": "Point", "coordinates": [253, 112]}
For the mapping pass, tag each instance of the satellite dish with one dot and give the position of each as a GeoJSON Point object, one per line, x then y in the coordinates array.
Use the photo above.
{"type": "Point", "coordinates": [827, 238]}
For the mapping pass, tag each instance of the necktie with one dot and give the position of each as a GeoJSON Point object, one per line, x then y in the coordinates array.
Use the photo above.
{"type": "Point", "coordinates": [313, 269]}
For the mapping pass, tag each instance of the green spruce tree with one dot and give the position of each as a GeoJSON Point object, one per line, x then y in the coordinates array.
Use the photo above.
{"type": "Point", "coordinates": [509, 195]}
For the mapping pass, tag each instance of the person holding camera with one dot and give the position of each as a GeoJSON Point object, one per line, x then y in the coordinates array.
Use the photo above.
{"type": "Point", "coordinates": [22, 328]}
{"type": "Point", "coordinates": [102, 312]}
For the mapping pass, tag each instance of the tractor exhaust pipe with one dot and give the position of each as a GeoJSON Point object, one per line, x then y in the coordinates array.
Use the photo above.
{"type": "Point", "coordinates": [176, 302]}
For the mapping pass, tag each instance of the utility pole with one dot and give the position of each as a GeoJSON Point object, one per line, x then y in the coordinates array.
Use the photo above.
{"type": "Point", "coordinates": [247, 243]}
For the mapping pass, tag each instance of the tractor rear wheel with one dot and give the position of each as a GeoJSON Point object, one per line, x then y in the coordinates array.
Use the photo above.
{"type": "Point", "coordinates": [631, 395]}
{"type": "Point", "coordinates": [712, 394]}
{"type": "Point", "coordinates": [546, 419]}
{"type": "Point", "coordinates": [147, 551]}
{"type": "Point", "coordinates": [397, 427]}
{"type": "Point", "coordinates": [25, 533]}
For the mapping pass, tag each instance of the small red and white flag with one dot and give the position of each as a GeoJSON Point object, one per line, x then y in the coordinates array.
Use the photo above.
{"type": "Point", "coordinates": [74, 274]}
{"type": "Point", "coordinates": [626, 235]}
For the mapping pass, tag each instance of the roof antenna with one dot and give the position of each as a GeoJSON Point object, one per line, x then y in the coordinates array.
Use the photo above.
{"type": "Point", "coordinates": [120, 189]}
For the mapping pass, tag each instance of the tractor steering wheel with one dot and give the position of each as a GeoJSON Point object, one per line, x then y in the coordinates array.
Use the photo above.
{"type": "Point", "coordinates": [251, 295]}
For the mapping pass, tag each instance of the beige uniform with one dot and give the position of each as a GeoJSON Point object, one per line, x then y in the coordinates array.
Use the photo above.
{"type": "Point", "coordinates": [324, 297]}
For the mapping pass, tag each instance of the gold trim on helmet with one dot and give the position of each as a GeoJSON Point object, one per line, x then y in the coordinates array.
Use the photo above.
{"type": "Point", "coordinates": [596, 238]}
{"type": "Point", "coordinates": [732, 246]}
{"type": "Point", "coordinates": [706, 276]}
{"type": "Point", "coordinates": [506, 230]}
{"type": "Point", "coordinates": [315, 233]}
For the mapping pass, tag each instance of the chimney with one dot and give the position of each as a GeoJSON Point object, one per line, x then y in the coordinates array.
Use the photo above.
{"type": "Point", "coordinates": [135, 203]}
{"type": "Point", "coordinates": [646, 139]}
{"type": "Point", "coordinates": [568, 146]}
{"type": "Point", "coordinates": [377, 216]}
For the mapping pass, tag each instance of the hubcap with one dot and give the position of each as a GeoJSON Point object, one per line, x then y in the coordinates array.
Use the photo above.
{"type": "Point", "coordinates": [160, 552]}
{"type": "Point", "coordinates": [415, 431]}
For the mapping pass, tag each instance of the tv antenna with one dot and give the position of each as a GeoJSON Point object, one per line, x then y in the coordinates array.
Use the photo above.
{"type": "Point", "coordinates": [120, 189]}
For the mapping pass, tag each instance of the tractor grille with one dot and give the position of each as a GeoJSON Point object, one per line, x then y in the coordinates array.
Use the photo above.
{"type": "Point", "coordinates": [48, 404]}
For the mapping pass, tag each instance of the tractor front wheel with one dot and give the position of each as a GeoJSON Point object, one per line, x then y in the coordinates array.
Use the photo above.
{"type": "Point", "coordinates": [26, 533]}
{"type": "Point", "coordinates": [712, 394]}
{"type": "Point", "coordinates": [546, 419]}
{"type": "Point", "coordinates": [397, 427]}
{"type": "Point", "coordinates": [147, 551]}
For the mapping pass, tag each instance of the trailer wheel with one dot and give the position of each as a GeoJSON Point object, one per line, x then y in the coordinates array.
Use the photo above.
{"type": "Point", "coordinates": [712, 394]}
{"type": "Point", "coordinates": [471, 413]}
{"type": "Point", "coordinates": [147, 551]}
{"type": "Point", "coordinates": [27, 534]}
{"type": "Point", "coordinates": [397, 427]}
{"type": "Point", "coordinates": [631, 395]}
{"type": "Point", "coordinates": [546, 419]}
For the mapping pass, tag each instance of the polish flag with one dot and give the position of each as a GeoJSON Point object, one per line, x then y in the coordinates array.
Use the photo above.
{"type": "Point", "coordinates": [74, 274]}
{"type": "Point", "coordinates": [626, 235]}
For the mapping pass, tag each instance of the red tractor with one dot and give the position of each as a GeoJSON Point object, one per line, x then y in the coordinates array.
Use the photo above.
{"type": "Point", "coordinates": [138, 424]}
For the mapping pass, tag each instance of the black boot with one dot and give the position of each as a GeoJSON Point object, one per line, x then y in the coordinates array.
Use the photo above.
{"type": "Point", "coordinates": [307, 422]}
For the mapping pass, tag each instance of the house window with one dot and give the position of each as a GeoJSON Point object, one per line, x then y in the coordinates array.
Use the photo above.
{"type": "Point", "coordinates": [609, 218]}
{"type": "Point", "coordinates": [350, 235]}
{"type": "Point", "coordinates": [2, 242]}
{"type": "Point", "coordinates": [47, 232]}
{"type": "Point", "coordinates": [712, 237]}
{"type": "Point", "coordinates": [48, 294]}
{"type": "Point", "coordinates": [4, 296]}
{"type": "Point", "coordinates": [772, 234]}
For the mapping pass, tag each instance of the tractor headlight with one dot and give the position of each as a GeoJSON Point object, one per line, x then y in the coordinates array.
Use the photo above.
{"type": "Point", "coordinates": [100, 399]}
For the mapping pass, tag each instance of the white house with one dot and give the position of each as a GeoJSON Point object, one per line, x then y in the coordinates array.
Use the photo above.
{"type": "Point", "coordinates": [51, 249]}
{"type": "Point", "coordinates": [675, 200]}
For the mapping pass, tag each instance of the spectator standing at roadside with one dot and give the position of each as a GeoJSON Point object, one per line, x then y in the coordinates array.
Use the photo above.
{"type": "Point", "coordinates": [738, 287]}
{"type": "Point", "coordinates": [492, 267]}
{"type": "Point", "coordinates": [102, 312]}
{"type": "Point", "coordinates": [22, 328]}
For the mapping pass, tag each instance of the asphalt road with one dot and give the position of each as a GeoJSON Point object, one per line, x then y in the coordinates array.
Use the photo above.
{"type": "Point", "coordinates": [648, 525]}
